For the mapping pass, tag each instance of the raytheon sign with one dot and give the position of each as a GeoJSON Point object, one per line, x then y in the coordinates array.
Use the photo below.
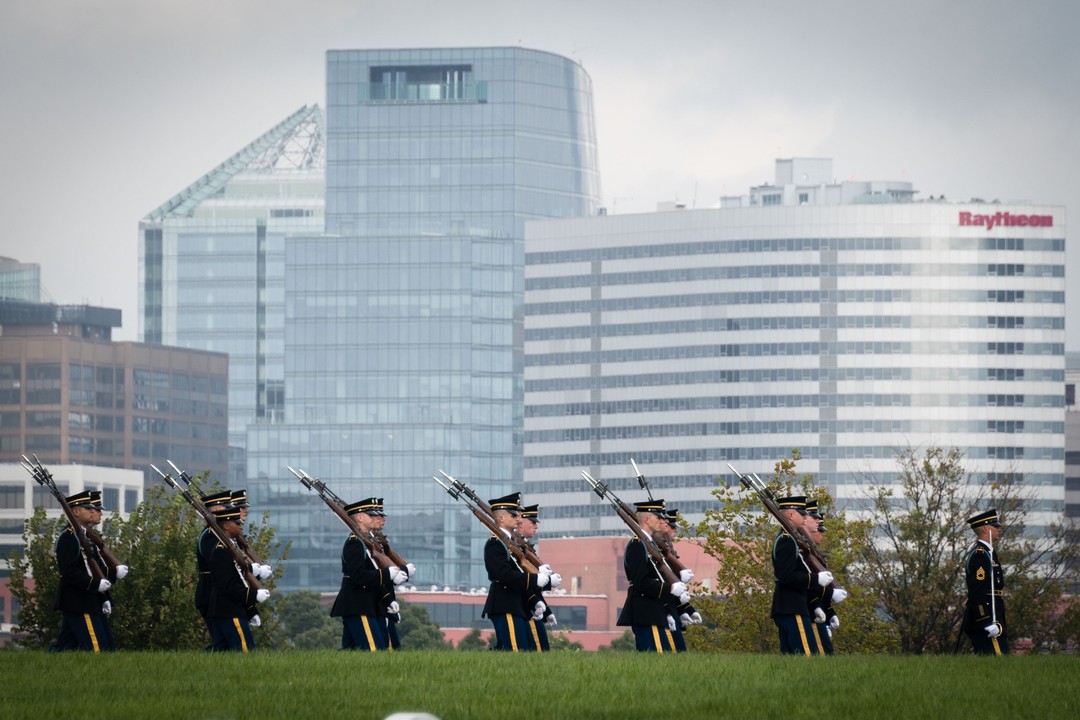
{"type": "Point", "coordinates": [1005, 219]}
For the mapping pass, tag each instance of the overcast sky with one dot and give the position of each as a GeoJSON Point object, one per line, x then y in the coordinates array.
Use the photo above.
{"type": "Point", "coordinates": [109, 107]}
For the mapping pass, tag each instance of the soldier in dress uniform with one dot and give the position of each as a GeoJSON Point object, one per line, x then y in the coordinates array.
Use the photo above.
{"type": "Point", "coordinates": [389, 596]}
{"type": "Point", "coordinates": [205, 545]}
{"type": "Point", "coordinates": [510, 584]}
{"type": "Point", "coordinates": [821, 599]}
{"type": "Point", "coordinates": [680, 615]}
{"type": "Point", "coordinates": [984, 619]}
{"type": "Point", "coordinates": [794, 579]}
{"type": "Point", "coordinates": [361, 601]}
{"type": "Point", "coordinates": [83, 602]}
{"type": "Point", "coordinates": [542, 616]}
{"type": "Point", "coordinates": [232, 599]}
{"type": "Point", "coordinates": [645, 610]}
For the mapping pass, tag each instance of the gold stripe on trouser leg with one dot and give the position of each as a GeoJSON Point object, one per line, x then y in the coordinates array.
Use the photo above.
{"type": "Point", "coordinates": [802, 635]}
{"type": "Point", "coordinates": [656, 639]}
{"type": "Point", "coordinates": [93, 635]}
{"type": "Point", "coordinates": [535, 634]}
{"type": "Point", "coordinates": [817, 638]}
{"type": "Point", "coordinates": [670, 640]}
{"type": "Point", "coordinates": [513, 635]}
{"type": "Point", "coordinates": [997, 648]}
{"type": "Point", "coordinates": [367, 632]}
{"type": "Point", "coordinates": [240, 632]}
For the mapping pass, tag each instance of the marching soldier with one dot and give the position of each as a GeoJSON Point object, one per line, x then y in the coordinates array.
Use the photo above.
{"type": "Point", "coordinates": [232, 600]}
{"type": "Point", "coordinates": [205, 545]}
{"type": "Point", "coordinates": [542, 616]}
{"type": "Point", "coordinates": [821, 599]}
{"type": "Point", "coordinates": [510, 585]}
{"type": "Point", "coordinates": [83, 602]}
{"type": "Point", "coordinates": [361, 602]}
{"type": "Point", "coordinates": [389, 596]}
{"type": "Point", "coordinates": [680, 615]}
{"type": "Point", "coordinates": [790, 607]}
{"type": "Point", "coordinates": [984, 619]}
{"type": "Point", "coordinates": [645, 610]}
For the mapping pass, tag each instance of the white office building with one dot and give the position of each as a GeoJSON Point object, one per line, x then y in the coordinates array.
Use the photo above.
{"type": "Point", "coordinates": [847, 320]}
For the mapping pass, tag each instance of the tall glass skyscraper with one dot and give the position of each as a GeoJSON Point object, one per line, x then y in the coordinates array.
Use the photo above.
{"type": "Point", "coordinates": [843, 319]}
{"type": "Point", "coordinates": [212, 265]}
{"type": "Point", "coordinates": [403, 321]}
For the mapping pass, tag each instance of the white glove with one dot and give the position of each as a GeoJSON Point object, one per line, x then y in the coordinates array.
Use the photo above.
{"type": "Point", "coordinates": [684, 599]}
{"type": "Point", "coordinates": [255, 621]}
{"type": "Point", "coordinates": [819, 615]}
{"type": "Point", "coordinates": [397, 576]}
{"type": "Point", "coordinates": [685, 620]}
{"type": "Point", "coordinates": [265, 572]}
{"type": "Point", "coordinates": [695, 618]}
{"type": "Point", "coordinates": [103, 586]}
{"type": "Point", "coordinates": [834, 623]}
{"type": "Point", "coordinates": [686, 575]}
{"type": "Point", "coordinates": [993, 630]}
{"type": "Point", "coordinates": [556, 580]}
{"type": "Point", "coordinates": [106, 608]}
{"type": "Point", "coordinates": [539, 607]}
{"type": "Point", "coordinates": [121, 571]}
{"type": "Point", "coordinates": [393, 608]}
{"type": "Point", "coordinates": [538, 615]}
{"type": "Point", "coordinates": [828, 631]}
{"type": "Point", "coordinates": [261, 595]}
{"type": "Point", "coordinates": [678, 589]}
{"type": "Point", "coordinates": [551, 621]}
{"type": "Point", "coordinates": [410, 568]}
{"type": "Point", "coordinates": [824, 578]}
{"type": "Point", "coordinates": [545, 568]}
{"type": "Point", "coordinates": [542, 579]}
{"type": "Point", "coordinates": [671, 623]}
{"type": "Point", "coordinates": [839, 595]}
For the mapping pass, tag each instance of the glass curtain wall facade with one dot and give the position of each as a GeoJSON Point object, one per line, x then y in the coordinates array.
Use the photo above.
{"type": "Point", "coordinates": [689, 339]}
{"type": "Point", "coordinates": [212, 266]}
{"type": "Point", "coordinates": [403, 332]}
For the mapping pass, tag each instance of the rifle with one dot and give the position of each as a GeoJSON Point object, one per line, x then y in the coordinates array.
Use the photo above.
{"type": "Point", "coordinates": [515, 537]}
{"type": "Point", "coordinates": [671, 557]}
{"type": "Point", "coordinates": [807, 547]}
{"type": "Point", "coordinates": [629, 516]}
{"type": "Point", "coordinates": [45, 478]}
{"type": "Point", "coordinates": [488, 521]}
{"type": "Point", "coordinates": [337, 505]}
{"type": "Point", "coordinates": [239, 558]}
{"type": "Point", "coordinates": [189, 481]}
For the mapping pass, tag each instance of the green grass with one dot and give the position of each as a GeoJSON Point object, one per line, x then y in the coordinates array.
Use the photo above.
{"type": "Point", "coordinates": [455, 685]}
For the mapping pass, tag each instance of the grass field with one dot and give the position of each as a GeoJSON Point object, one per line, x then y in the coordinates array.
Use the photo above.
{"type": "Point", "coordinates": [455, 685]}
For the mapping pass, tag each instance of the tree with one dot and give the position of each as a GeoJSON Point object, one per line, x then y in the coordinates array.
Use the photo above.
{"type": "Point", "coordinates": [153, 607]}
{"type": "Point", "coordinates": [473, 641]}
{"type": "Point", "coordinates": [740, 536]}
{"type": "Point", "coordinates": [561, 641]}
{"type": "Point", "coordinates": [623, 643]}
{"type": "Point", "coordinates": [916, 563]}
{"type": "Point", "coordinates": [417, 631]}
{"type": "Point", "coordinates": [304, 624]}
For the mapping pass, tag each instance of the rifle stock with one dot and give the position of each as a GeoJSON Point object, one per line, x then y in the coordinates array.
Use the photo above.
{"type": "Point", "coordinates": [488, 521]}
{"type": "Point", "coordinates": [45, 478]}
{"type": "Point", "coordinates": [629, 516]}
{"type": "Point", "coordinates": [239, 558]}
{"type": "Point", "coordinates": [809, 549]}
{"type": "Point", "coordinates": [337, 506]}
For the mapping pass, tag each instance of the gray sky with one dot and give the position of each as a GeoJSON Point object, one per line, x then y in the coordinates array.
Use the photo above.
{"type": "Point", "coordinates": [108, 108]}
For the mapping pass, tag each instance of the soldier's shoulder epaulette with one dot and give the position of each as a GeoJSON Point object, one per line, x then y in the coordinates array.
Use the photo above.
{"type": "Point", "coordinates": [220, 545]}
{"type": "Point", "coordinates": [635, 539]}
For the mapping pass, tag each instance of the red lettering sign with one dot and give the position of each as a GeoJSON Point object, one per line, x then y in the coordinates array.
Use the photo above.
{"type": "Point", "coordinates": [1005, 219]}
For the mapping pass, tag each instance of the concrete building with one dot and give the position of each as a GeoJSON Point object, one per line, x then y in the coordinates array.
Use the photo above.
{"type": "Point", "coordinates": [403, 322]}
{"type": "Point", "coordinates": [72, 396]}
{"type": "Point", "coordinates": [847, 322]}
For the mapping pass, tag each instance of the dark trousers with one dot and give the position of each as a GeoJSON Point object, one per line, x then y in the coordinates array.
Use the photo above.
{"type": "Point", "coordinates": [235, 633]}
{"type": "Point", "coordinates": [512, 633]}
{"type": "Point", "coordinates": [217, 642]}
{"type": "Point", "coordinates": [824, 639]}
{"type": "Point", "coordinates": [392, 639]}
{"type": "Point", "coordinates": [796, 635]}
{"type": "Point", "coordinates": [678, 639]}
{"type": "Point", "coordinates": [363, 632]}
{"type": "Point", "coordinates": [653, 638]}
{"type": "Point", "coordinates": [538, 636]}
{"type": "Point", "coordinates": [84, 631]}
